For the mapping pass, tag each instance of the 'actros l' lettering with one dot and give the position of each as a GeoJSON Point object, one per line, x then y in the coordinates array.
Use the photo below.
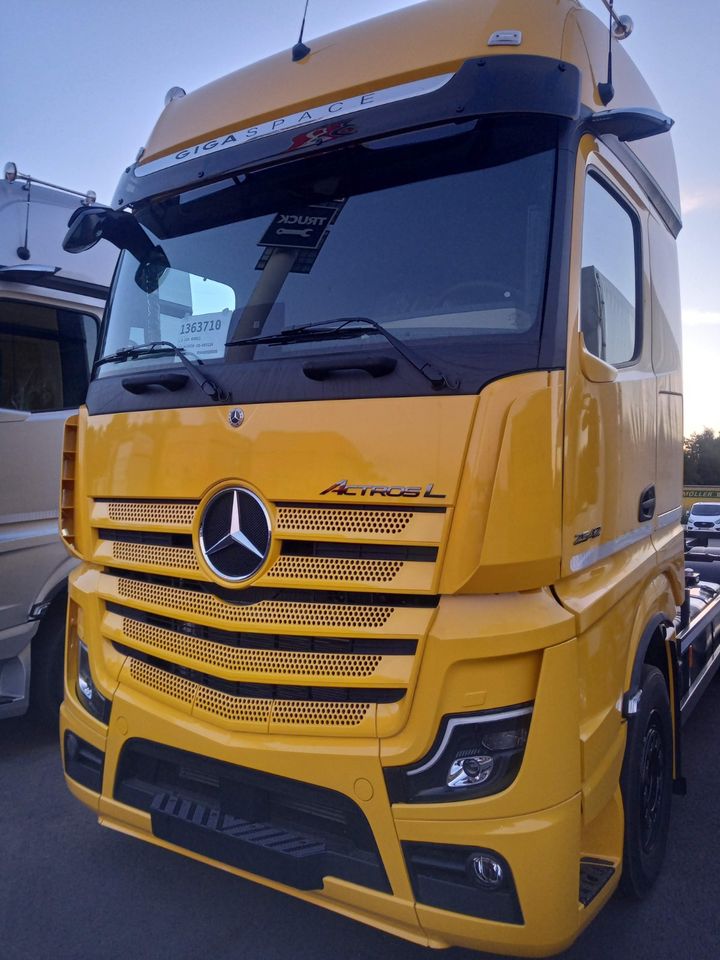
{"type": "Point", "coordinates": [345, 489]}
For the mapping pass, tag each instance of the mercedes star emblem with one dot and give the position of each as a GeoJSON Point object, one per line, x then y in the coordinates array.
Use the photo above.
{"type": "Point", "coordinates": [235, 534]}
{"type": "Point", "coordinates": [236, 417]}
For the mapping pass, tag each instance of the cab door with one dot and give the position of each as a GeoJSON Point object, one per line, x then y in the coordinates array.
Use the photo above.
{"type": "Point", "coordinates": [610, 496]}
{"type": "Point", "coordinates": [45, 356]}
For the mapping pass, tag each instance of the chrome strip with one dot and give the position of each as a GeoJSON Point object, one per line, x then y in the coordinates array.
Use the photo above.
{"type": "Point", "coordinates": [462, 721]}
{"type": "Point", "coordinates": [583, 560]}
{"type": "Point", "coordinates": [321, 113]}
{"type": "Point", "coordinates": [671, 516]}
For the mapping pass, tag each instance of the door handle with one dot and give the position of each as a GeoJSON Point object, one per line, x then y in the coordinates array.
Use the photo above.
{"type": "Point", "coordinates": [647, 504]}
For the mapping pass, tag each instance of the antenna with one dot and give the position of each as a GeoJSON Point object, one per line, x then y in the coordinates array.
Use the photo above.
{"type": "Point", "coordinates": [301, 50]}
{"type": "Point", "coordinates": [620, 28]}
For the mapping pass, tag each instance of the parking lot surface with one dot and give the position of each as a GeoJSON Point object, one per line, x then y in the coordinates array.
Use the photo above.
{"type": "Point", "coordinates": [71, 889]}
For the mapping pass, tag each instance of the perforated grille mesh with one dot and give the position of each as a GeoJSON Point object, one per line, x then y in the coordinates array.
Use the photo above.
{"type": "Point", "coordinates": [232, 708]}
{"type": "Point", "coordinates": [317, 519]}
{"type": "Point", "coordinates": [286, 662]}
{"type": "Point", "coordinates": [151, 513]}
{"type": "Point", "coordinates": [335, 568]}
{"type": "Point", "coordinates": [164, 682]}
{"type": "Point", "coordinates": [319, 714]}
{"type": "Point", "coordinates": [177, 558]}
{"type": "Point", "coordinates": [249, 710]}
{"type": "Point", "coordinates": [267, 611]}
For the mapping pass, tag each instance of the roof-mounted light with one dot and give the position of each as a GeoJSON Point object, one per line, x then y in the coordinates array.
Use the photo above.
{"type": "Point", "coordinates": [174, 93]}
{"type": "Point", "coordinates": [11, 174]}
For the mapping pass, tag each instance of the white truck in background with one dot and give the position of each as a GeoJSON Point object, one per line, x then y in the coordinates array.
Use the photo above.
{"type": "Point", "coordinates": [50, 307]}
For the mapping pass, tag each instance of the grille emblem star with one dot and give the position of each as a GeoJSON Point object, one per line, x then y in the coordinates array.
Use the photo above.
{"type": "Point", "coordinates": [235, 533]}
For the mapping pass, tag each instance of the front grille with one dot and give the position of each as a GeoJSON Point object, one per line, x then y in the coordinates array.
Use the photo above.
{"type": "Point", "coordinates": [388, 522]}
{"type": "Point", "coordinates": [275, 827]}
{"type": "Point", "coordinates": [250, 656]}
{"type": "Point", "coordinates": [326, 637]}
{"type": "Point", "coordinates": [149, 513]}
{"type": "Point", "coordinates": [201, 603]}
{"type": "Point", "coordinates": [267, 691]}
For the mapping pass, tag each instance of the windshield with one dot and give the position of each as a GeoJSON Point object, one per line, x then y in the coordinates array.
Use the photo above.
{"type": "Point", "coordinates": [441, 236]}
{"type": "Point", "coordinates": [705, 510]}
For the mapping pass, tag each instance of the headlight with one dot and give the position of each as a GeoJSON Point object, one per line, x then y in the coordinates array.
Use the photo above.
{"type": "Point", "coordinates": [90, 697]}
{"type": "Point", "coordinates": [473, 756]}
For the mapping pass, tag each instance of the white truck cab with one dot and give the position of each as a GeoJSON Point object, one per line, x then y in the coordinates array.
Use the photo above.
{"type": "Point", "coordinates": [50, 308]}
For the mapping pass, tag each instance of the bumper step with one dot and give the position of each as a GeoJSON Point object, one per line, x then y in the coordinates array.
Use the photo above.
{"type": "Point", "coordinates": [261, 848]}
{"type": "Point", "coordinates": [594, 874]}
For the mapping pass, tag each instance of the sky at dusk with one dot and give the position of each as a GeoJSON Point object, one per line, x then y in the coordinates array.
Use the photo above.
{"type": "Point", "coordinates": [83, 82]}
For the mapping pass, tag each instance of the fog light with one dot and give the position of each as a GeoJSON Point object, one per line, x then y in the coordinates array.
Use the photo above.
{"type": "Point", "coordinates": [466, 771]}
{"type": "Point", "coordinates": [487, 871]}
{"type": "Point", "coordinates": [90, 697]}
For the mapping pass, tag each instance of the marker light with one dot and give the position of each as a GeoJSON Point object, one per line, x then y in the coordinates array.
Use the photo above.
{"type": "Point", "coordinates": [174, 93]}
{"type": "Point", "coordinates": [90, 697]}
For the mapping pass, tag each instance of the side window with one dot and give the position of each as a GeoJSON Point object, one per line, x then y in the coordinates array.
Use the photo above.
{"type": "Point", "coordinates": [610, 272]}
{"type": "Point", "coordinates": [45, 356]}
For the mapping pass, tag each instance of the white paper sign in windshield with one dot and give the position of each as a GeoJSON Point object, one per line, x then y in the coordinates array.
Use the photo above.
{"type": "Point", "coordinates": [204, 335]}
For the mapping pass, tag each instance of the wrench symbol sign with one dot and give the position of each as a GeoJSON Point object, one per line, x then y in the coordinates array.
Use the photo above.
{"type": "Point", "coordinates": [297, 233]}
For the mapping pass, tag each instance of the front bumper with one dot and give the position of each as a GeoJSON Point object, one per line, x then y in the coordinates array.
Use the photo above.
{"type": "Point", "coordinates": [542, 847]}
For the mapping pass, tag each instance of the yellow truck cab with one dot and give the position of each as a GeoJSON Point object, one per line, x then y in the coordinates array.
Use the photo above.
{"type": "Point", "coordinates": [377, 486]}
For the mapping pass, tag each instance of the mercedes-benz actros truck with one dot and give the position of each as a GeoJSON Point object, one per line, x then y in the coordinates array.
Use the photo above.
{"type": "Point", "coordinates": [377, 489]}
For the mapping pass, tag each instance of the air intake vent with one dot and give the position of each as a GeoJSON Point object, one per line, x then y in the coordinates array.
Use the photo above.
{"type": "Point", "coordinates": [151, 513]}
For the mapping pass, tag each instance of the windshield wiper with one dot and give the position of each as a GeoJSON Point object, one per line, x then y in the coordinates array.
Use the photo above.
{"type": "Point", "coordinates": [160, 347]}
{"type": "Point", "coordinates": [338, 328]}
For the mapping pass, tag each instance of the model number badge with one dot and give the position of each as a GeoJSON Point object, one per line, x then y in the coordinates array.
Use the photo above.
{"type": "Point", "coordinates": [586, 535]}
{"type": "Point", "coordinates": [345, 489]}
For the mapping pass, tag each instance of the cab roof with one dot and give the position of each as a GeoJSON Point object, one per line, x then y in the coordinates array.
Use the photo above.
{"type": "Point", "coordinates": [423, 40]}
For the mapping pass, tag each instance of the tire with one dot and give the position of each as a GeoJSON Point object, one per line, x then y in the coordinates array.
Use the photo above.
{"type": "Point", "coordinates": [646, 785]}
{"type": "Point", "coordinates": [47, 670]}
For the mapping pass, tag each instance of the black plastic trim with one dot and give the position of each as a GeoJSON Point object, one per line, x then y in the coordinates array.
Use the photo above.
{"type": "Point", "coordinates": [485, 86]}
{"type": "Point", "coordinates": [83, 763]}
{"type": "Point", "coordinates": [270, 641]}
{"type": "Point", "coordinates": [441, 876]}
{"type": "Point", "coordinates": [358, 551]}
{"type": "Point", "coordinates": [249, 819]}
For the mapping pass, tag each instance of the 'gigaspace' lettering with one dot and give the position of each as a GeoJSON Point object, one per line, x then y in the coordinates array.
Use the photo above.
{"type": "Point", "coordinates": [319, 114]}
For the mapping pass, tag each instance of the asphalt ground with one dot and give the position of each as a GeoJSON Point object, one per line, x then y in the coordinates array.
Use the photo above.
{"type": "Point", "coordinates": [70, 889]}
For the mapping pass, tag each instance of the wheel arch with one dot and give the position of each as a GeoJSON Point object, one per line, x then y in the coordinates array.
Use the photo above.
{"type": "Point", "coordinates": [656, 647]}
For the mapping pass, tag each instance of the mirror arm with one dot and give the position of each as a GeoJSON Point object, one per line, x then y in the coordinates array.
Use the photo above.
{"type": "Point", "coordinates": [593, 368]}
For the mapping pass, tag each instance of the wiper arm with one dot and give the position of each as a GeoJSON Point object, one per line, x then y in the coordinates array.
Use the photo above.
{"type": "Point", "coordinates": [208, 386]}
{"type": "Point", "coordinates": [338, 328]}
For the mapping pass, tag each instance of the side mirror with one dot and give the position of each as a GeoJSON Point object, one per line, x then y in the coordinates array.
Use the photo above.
{"type": "Point", "coordinates": [632, 123]}
{"type": "Point", "coordinates": [89, 224]}
{"type": "Point", "coordinates": [85, 228]}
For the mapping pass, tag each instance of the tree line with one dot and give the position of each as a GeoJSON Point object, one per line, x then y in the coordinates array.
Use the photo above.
{"type": "Point", "coordinates": [702, 458]}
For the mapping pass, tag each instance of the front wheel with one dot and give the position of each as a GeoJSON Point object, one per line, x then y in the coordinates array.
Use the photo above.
{"type": "Point", "coordinates": [646, 785]}
{"type": "Point", "coordinates": [47, 664]}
